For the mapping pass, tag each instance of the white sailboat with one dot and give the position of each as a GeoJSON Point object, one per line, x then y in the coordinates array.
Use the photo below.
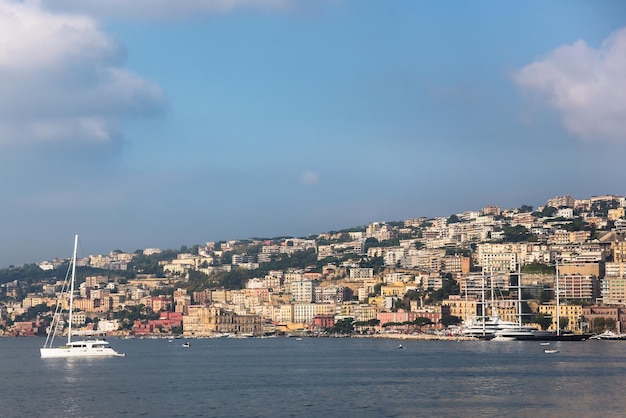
{"type": "Point", "coordinates": [84, 348]}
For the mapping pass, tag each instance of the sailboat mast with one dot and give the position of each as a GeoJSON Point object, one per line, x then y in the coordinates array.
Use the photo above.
{"type": "Point", "coordinates": [558, 305]}
{"type": "Point", "coordinates": [482, 302]}
{"type": "Point", "coordinates": [69, 329]}
{"type": "Point", "coordinates": [519, 294]}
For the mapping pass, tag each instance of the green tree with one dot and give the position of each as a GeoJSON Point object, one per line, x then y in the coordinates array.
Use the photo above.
{"type": "Point", "coordinates": [525, 209]}
{"type": "Point", "coordinates": [598, 325]}
{"type": "Point", "coordinates": [517, 233]}
{"type": "Point", "coordinates": [610, 324]}
{"type": "Point", "coordinates": [448, 320]}
{"type": "Point", "coordinates": [549, 211]}
{"type": "Point", "coordinates": [420, 321]}
{"type": "Point", "coordinates": [343, 326]}
{"type": "Point", "coordinates": [543, 320]}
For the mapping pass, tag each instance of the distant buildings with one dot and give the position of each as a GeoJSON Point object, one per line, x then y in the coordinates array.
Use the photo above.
{"type": "Point", "coordinates": [363, 273]}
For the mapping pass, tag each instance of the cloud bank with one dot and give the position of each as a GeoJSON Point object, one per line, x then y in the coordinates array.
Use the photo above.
{"type": "Point", "coordinates": [587, 86]}
{"type": "Point", "coordinates": [63, 79]}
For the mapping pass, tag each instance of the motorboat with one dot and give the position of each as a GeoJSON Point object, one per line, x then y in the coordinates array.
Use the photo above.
{"type": "Point", "coordinates": [608, 335]}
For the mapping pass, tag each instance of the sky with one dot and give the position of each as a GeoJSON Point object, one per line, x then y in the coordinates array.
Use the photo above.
{"type": "Point", "coordinates": [153, 123]}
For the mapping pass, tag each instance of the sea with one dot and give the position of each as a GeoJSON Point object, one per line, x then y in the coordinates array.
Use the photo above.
{"type": "Point", "coordinates": [317, 377]}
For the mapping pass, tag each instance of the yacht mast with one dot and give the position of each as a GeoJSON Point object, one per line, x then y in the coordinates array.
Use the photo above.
{"type": "Point", "coordinates": [519, 295]}
{"type": "Point", "coordinates": [69, 329]}
{"type": "Point", "coordinates": [484, 318]}
{"type": "Point", "coordinates": [558, 308]}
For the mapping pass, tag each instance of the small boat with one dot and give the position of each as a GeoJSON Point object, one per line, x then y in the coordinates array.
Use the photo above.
{"type": "Point", "coordinates": [400, 347]}
{"type": "Point", "coordinates": [548, 351]}
{"type": "Point", "coordinates": [186, 344]}
{"type": "Point", "coordinates": [544, 343]}
{"type": "Point", "coordinates": [298, 339]}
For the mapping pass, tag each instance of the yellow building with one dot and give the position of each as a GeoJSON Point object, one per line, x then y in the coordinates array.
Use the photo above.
{"type": "Point", "coordinates": [619, 251]}
{"type": "Point", "coordinates": [615, 214]}
{"type": "Point", "coordinates": [397, 289]}
{"type": "Point", "coordinates": [365, 312]}
{"type": "Point", "coordinates": [203, 321]}
{"type": "Point", "coordinates": [461, 308]}
{"type": "Point", "coordinates": [325, 309]}
{"type": "Point", "coordinates": [376, 301]}
{"type": "Point", "coordinates": [571, 312]}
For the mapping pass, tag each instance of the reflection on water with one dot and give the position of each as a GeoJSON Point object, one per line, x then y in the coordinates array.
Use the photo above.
{"type": "Point", "coordinates": [314, 377]}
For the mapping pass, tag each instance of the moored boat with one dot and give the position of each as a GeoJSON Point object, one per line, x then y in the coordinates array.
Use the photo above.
{"type": "Point", "coordinates": [84, 348]}
{"type": "Point", "coordinates": [608, 335]}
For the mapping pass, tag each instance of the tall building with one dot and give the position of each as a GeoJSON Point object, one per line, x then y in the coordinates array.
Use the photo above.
{"type": "Point", "coordinates": [491, 210]}
{"type": "Point", "coordinates": [302, 291]}
{"type": "Point", "coordinates": [562, 201]}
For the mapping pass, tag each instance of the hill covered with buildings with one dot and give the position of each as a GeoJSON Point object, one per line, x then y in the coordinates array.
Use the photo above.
{"type": "Point", "coordinates": [415, 275]}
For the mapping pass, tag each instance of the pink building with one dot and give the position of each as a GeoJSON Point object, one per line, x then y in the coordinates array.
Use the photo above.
{"type": "Point", "coordinates": [322, 321]}
{"type": "Point", "coordinates": [434, 315]}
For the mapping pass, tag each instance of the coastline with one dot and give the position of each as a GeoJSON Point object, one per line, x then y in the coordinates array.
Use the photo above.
{"type": "Point", "coordinates": [420, 337]}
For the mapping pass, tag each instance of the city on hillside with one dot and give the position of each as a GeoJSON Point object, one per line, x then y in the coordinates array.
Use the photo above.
{"type": "Point", "coordinates": [561, 266]}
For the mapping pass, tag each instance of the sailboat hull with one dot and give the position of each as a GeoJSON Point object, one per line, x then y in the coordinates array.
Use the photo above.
{"type": "Point", "coordinates": [89, 348]}
{"type": "Point", "coordinates": [61, 352]}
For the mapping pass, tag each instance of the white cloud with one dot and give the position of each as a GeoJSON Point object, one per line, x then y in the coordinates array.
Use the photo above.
{"type": "Point", "coordinates": [587, 86]}
{"type": "Point", "coordinates": [162, 9]}
{"type": "Point", "coordinates": [63, 80]}
{"type": "Point", "coordinates": [309, 178]}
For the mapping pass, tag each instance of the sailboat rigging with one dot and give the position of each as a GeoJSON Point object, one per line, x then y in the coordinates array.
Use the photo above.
{"type": "Point", "coordinates": [84, 348]}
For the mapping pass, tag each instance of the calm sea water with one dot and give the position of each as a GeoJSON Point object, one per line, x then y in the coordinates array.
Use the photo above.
{"type": "Point", "coordinates": [283, 377]}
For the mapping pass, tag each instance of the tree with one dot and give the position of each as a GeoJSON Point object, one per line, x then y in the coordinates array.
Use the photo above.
{"type": "Point", "coordinates": [448, 320]}
{"type": "Point", "coordinates": [421, 321]}
{"type": "Point", "coordinates": [377, 287]}
{"type": "Point", "coordinates": [517, 233]}
{"type": "Point", "coordinates": [543, 320]}
{"type": "Point", "coordinates": [598, 325]}
{"type": "Point", "coordinates": [370, 242]}
{"type": "Point", "coordinates": [549, 211]}
{"type": "Point", "coordinates": [343, 326]}
{"type": "Point", "coordinates": [610, 324]}
{"type": "Point", "coordinates": [525, 209]}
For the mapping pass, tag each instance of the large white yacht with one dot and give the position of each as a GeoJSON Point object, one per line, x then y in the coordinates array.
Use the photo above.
{"type": "Point", "coordinates": [492, 327]}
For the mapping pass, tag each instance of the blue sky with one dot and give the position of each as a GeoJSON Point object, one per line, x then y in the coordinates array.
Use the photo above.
{"type": "Point", "coordinates": [154, 123]}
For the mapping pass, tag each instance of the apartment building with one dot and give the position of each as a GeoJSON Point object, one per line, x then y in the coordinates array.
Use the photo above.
{"type": "Point", "coordinates": [619, 251]}
{"type": "Point", "coordinates": [578, 287]}
{"type": "Point", "coordinates": [573, 313]}
{"type": "Point", "coordinates": [302, 291]}
{"type": "Point", "coordinates": [562, 201]}
{"type": "Point", "coordinates": [491, 210]}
